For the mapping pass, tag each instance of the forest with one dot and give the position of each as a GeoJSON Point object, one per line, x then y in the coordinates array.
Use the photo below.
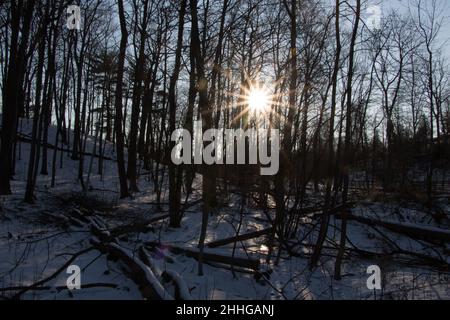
{"type": "Point", "coordinates": [234, 149]}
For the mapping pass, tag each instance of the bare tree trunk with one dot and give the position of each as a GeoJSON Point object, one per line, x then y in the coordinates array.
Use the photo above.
{"type": "Point", "coordinates": [11, 94]}
{"type": "Point", "coordinates": [348, 141]}
{"type": "Point", "coordinates": [136, 100]}
{"type": "Point", "coordinates": [175, 173]}
{"type": "Point", "coordinates": [330, 171]}
{"type": "Point", "coordinates": [285, 164]}
{"type": "Point", "coordinates": [34, 153]}
{"type": "Point", "coordinates": [118, 104]}
{"type": "Point", "coordinates": [204, 108]}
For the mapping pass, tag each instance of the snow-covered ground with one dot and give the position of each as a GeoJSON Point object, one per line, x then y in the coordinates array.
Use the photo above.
{"type": "Point", "coordinates": [34, 244]}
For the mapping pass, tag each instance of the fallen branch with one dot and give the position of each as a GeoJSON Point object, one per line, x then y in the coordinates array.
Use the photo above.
{"type": "Point", "coordinates": [53, 275]}
{"type": "Point", "coordinates": [140, 273]}
{"type": "Point", "coordinates": [243, 262]}
{"type": "Point", "coordinates": [420, 259]}
{"type": "Point", "coordinates": [137, 227]}
{"type": "Point", "coordinates": [428, 234]}
{"type": "Point", "coordinates": [242, 237]}
{"type": "Point", "coordinates": [181, 289]}
{"type": "Point", "coordinates": [60, 288]}
{"type": "Point", "coordinates": [336, 210]}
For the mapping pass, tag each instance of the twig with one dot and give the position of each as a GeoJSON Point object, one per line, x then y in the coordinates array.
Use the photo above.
{"type": "Point", "coordinates": [53, 275]}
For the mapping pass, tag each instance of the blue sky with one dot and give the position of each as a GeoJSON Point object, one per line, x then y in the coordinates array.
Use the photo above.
{"type": "Point", "coordinates": [444, 11]}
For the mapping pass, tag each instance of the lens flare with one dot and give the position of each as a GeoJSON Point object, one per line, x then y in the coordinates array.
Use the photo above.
{"type": "Point", "coordinates": [258, 100]}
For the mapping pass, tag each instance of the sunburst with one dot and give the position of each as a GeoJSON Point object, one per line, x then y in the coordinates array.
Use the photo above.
{"type": "Point", "coordinates": [259, 101]}
{"type": "Point", "coordinates": [256, 100]}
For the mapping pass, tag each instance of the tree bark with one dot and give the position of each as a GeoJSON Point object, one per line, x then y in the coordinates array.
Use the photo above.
{"type": "Point", "coordinates": [330, 170]}
{"type": "Point", "coordinates": [118, 104]}
{"type": "Point", "coordinates": [175, 173]}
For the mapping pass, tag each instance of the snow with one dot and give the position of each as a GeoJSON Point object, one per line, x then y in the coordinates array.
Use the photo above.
{"type": "Point", "coordinates": [33, 244]}
{"type": "Point", "coordinates": [150, 276]}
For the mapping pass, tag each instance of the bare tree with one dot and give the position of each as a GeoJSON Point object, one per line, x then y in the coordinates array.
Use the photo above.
{"type": "Point", "coordinates": [118, 104]}
{"type": "Point", "coordinates": [175, 174]}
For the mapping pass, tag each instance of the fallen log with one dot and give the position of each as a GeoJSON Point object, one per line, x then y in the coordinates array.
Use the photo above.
{"type": "Point", "coordinates": [106, 234]}
{"type": "Point", "coordinates": [138, 226]}
{"type": "Point", "coordinates": [140, 273]}
{"type": "Point", "coordinates": [181, 289]}
{"type": "Point", "coordinates": [306, 211]}
{"type": "Point", "coordinates": [420, 259]}
{"type": "Point", "coordinates": [242, 237]}
{"type": "Point", "coordinates": [338, 209]}
{"type": "Point", "coordinates": [168, 276]}
{"type": "Point", "coordinates": [243, 262]}
{"type": "Point", "coordinates": [413, 231]}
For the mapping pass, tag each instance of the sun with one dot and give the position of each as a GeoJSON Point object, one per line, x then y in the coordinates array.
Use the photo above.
{"type": "Point", "coordinates": [258, 100]}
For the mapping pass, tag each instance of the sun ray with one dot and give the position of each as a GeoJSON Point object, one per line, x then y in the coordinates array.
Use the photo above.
{"type": "Point", "coordinates": [257, 101]}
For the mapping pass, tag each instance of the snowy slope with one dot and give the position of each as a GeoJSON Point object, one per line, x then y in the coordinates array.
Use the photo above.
{"type": "Point", "coordinates": [33, 244]}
